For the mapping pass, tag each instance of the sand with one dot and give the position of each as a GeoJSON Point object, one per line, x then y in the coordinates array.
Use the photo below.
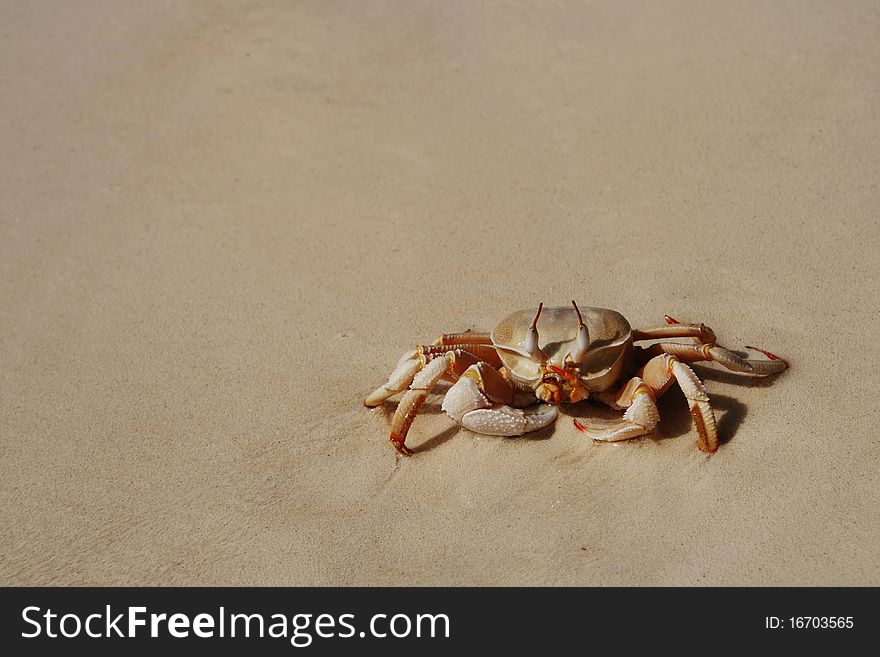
{"type": "Point", "coordinates": [222, 223]}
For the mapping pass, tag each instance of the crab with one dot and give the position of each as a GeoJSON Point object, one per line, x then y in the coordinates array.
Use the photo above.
{"type": "Point", "coordinates": [511, 381]}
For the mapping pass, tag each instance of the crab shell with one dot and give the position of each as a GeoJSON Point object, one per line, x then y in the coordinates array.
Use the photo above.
{"type": "Point", "coordinates": [608, 358]}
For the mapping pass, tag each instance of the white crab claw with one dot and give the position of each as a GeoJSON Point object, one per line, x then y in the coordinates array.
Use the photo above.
{"type": "Point", "coordinates": [466, 404]}
{"type": "Point", "coordinates": [507, 421]}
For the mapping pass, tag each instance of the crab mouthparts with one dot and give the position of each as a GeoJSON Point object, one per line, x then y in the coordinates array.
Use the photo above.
{"type": "Point", "coordinates": [567, 387]}
{"type": "Point", "coordinates": [549, 392]}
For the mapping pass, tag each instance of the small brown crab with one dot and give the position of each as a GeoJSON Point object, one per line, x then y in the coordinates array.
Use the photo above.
{"type": "Point", "coordinates": [499, 376]}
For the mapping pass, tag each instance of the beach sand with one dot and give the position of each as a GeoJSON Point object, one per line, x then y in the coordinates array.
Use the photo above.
{"type": "Point", "coordinates": [222, 224]}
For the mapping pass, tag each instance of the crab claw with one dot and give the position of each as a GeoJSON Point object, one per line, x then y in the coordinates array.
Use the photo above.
{"type": "Point", "coordinates": [469, 404]}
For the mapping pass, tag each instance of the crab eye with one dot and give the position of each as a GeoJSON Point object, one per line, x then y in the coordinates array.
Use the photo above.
{"type": "Point", "coordinates": [531, 341]}
{"type": "Point", "coordinates": [582, 343]}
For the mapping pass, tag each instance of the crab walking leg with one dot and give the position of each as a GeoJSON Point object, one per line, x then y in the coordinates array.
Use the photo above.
{"type": "Point", "coordinates": [414, 360]}
{"type": "Point", "coordinates": [675, 329]}
{"type": "Point", "coordinates": [638, 396]}
{"type": "Point", "coordinates": [412, 401]}
{"type": "Point", "coordinates": [399, 380]}
{"type": "Point", "coordinates": [706, 348]}
{"type": "Point", "coordinates": [691, 353]}
{"type": "Point", "coordinates": [660, 372]}
{"type": "Point", "coordinates": [484, 352]}
{"type": "Point", "coordinates": [468, 337]}
{"type": "Point", "coordinates": [452, 363]}
{"type": "Point", "coordinates": [641, 414]}
{"type": "Point", "coordinates": [698, 403]}
{"type": "Point", "coordinates": [481, 401]}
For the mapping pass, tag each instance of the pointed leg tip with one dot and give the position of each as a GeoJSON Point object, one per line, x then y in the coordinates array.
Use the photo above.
{"type": "Point", "coordinates": [704, 422]}
{"type": "Point", "coordinates": [375, 398]}
{"type": "Point", "coordinates": [769, 354]}
{"type": "Point", "coordinates": [589, 429]}
{"type": "Point", "coordinates": [400, 446]}
{"type": "Point", "coordinates": [671, 320]}
{"type": "Point", "coordinates": [706, 442]}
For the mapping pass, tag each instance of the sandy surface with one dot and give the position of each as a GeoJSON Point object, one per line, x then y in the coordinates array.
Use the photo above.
{"type": "Point", "coordinates": [221, 224]}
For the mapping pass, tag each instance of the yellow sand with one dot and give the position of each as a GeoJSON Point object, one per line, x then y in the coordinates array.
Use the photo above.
{"type": "Point", "coordinates": [223, 223]}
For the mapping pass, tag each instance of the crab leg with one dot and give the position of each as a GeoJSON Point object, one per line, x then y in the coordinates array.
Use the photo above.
{"type": "Point", "coordinates": [468, 337]}
{"type": "Point", "coordinates": [641, 414]}
{"type": "Point", "coordinates": [452, 363]}
{"type": "Point", "coordinates": [691, 353]}
{"type": "Point", "coordinates": [675, 329]}
{"type": "Point", "coordinates": [705, 348]}
{"type": "Point", "coordinates": [638, 396]}
{"type": "Point", "coordinates": [399, 379]}
{"type": "Point", "coordinates": [698, 403]}
{"type": "Point", "coordinates": [484, 352]}
{"type": "Point", "coordinates": [414, 360]}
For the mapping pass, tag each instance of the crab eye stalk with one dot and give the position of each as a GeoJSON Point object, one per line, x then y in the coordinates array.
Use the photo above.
{"type": "Point", "coordinates": [531, 341]}
{"type": "Point", "coordinates": [582, 343]}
